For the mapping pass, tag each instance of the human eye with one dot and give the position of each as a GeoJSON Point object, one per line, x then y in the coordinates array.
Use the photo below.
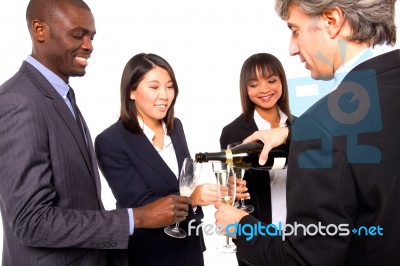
{"type": "Point", "coordinates": [273, 79]}
{"type": "Point", "coordinates": [170, 86]}
{"type": "Point", "coordinates": [252, 85]}
{"type": "Point", "coordinates": [295, 32]}
{"type": "Point", "coordinates": [77, 34]}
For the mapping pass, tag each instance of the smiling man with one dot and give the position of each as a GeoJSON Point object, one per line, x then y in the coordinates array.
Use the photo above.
{"type": "Point", "coordinates": [343, 172]}
{"type": "Point", "coordinates": [49, 182]}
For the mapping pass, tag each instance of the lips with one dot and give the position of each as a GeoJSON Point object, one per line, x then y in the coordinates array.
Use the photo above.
{"type": "Point", "coordinates": [82, 61]}
{"type": "Point", "coordinates": [266, 97]}
{"type": "Point", "coordinates": [162, 107]}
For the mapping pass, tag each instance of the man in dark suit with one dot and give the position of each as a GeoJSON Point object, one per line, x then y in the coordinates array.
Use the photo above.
{"type": "Point", "coordinates": [343, 175]}
{"type": "Point", "coordinates": [49, 182]}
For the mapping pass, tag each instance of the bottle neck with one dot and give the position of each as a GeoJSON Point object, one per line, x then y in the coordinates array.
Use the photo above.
{"type": "Point", "coordinates": [211, 156]}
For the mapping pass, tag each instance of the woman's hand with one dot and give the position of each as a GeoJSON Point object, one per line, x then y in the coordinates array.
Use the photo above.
{"type": "Point", "coordinates": [241, 190]}
{"type": "Point", "coordinates": [203, 195]}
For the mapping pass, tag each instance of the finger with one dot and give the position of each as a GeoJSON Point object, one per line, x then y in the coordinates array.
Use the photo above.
{"type": "Point", "coordinates": [218, 205]}
{"type": "Point", "coordinates": [264, 155]}
{"type": "Point", "coordinates": [252, 137]}
{"type": "Point", "coordinates": [182, 199]}
{"type": "Point", "coordinates": [182, 207]}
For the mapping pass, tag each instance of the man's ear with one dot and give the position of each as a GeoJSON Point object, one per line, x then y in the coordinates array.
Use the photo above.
{"type": "Point", "coordinates": [335, 21]}
{"type": "Point", "coordinates": [38, 30]}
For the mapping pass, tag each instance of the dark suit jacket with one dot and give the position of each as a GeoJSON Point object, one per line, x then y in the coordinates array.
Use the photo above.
{"type": "Point", "coordinates": [258, 182]}
{"type": "Point", "coordinates": [50, 187]}
{"type": "Point", "coordinates": [138, 175]}
{"type": "Point", "coordinates": [343, 169]}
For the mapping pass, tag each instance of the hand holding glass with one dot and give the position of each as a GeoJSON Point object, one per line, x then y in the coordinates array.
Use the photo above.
{"type": "Point", "coordinates": [240, 174]}
{"type": "Point", "coordinates": [226, 183]}
{"type": "Point", "coordinates": [190, 172]}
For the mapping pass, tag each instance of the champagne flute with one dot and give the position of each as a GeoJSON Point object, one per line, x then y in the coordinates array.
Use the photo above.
{"type": "Point", "coordinates": [240, 174]}
{"type": "Point", "coordinates": [187, 183]}
{"type": "Point", "coordinates": [226, 184]}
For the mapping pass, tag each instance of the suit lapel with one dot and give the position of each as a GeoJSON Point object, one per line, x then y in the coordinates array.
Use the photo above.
{"type": "Point", "coordinates": [248, 127]}
{"type": "Point", "coordinates": [72, 125]}
{"type": "Point", "coordinates": [179, 149]}
{"type": "Point", "coordinates": [141, 146]}
{"type": "Point", "coordinates": [93, 161]}
{"type": "Point", "coordinates": [59, 104]}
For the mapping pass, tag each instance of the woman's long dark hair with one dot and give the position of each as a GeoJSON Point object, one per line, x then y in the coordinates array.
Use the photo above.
{"type": "Point", "coordinates": [134, 72]}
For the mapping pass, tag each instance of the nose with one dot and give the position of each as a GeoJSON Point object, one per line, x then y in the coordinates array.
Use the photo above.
{"type": "Point", "coordinates": [87, 44]}
{"type": "Point", "coordinates": [163, 94]}
{"type": "Point", "coordinates": [293, 47]}
{"type": "Point", "coordinates": [263, 88]}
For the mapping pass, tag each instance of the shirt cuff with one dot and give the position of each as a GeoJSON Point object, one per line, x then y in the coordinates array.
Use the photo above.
{"type": "Point", "coordinates": [131, 221]}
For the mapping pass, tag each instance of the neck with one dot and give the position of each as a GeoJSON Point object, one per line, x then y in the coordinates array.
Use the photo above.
{"type": "Point", "coordinates": [347, 51]}
{"type": "Point", "coordinates": [271, 115]}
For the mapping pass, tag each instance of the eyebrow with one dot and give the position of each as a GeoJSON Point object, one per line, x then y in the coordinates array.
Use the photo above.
{"type": "Point", "coordinates": [84, 30]}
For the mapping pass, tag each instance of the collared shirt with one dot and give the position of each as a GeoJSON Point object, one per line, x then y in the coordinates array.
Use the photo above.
{"type": "Point", "coordinates": [277, 177]}
{"type": "Point", "coordinates": [263, 124]}
{"type": "Point", "coordinates": [167, 153]}
{"type": "Point", "coordinates": [58, 84]}
{"type": "Point", "coordinates": [62, 88]}
{"type": "Point", "coordinates": [361, 57]}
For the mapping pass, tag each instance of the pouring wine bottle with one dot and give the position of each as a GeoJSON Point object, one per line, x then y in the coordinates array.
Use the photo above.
{"type": "Point", "coordinates": [246, 156]}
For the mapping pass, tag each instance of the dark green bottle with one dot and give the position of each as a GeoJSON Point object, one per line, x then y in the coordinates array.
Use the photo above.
{"type": "Point", "coordinates": [246, 156]}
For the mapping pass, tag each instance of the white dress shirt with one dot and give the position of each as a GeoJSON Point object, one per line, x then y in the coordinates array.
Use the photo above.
{"type": "Point", "coordinates": [277, 177]}
{"type": "Point", "coordinates": [167, 153]}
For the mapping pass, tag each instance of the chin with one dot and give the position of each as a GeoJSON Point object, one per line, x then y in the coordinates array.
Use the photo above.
{"type": "Point", "coordinates": [324, 77]}
{"type": "Point", "coordinates": [79, 73]}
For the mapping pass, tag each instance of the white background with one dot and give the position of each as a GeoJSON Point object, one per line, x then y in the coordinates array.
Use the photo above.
{"type": "Point", "coordinates": [206, 43]}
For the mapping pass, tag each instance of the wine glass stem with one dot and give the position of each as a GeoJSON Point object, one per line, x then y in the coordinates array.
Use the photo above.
{"type": "Point", "coordinates": [227, 240]}
{"type": "Point", "coordinates": [242, 200]}
{"type": "Point", "coordinates": [176, 229]}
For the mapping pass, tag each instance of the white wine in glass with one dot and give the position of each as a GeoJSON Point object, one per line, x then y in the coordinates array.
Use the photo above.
{"type": "Point", "coordinates": [190, 172]}
{"type": "Point", "coordinates": [226, 184]}
{"type": "Point", "coordinates": [240, 174]}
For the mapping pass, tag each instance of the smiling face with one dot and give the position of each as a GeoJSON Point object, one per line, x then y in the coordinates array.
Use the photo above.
{"type": "Point", "coordinates": [154, 95]}
{"type": "Point", "coordinates": [264, 92]}
{"type": "Point", "coordinates": [64, 43]}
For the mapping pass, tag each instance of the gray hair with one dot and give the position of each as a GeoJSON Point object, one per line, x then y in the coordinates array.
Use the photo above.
{"type": "Point", "coordinates": [370, 20]}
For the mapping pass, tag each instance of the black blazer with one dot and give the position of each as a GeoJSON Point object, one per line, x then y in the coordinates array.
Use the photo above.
{"type": "Point", "coordinates": [138, 175]}
{"type": "Point", "coordinates": [258, 182]}
{"type": "Point", "coordinates": [343, 169]}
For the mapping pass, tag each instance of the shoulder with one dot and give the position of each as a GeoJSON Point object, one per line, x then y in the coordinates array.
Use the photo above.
{"type": "Point", "coordinates": [178, 126]}
{"type": "Point", "coordinates": [177, 122]}
{"type": "Point", "coordinates": [241, 120]}
{"type": "Point", "coordinates": [114, 131]}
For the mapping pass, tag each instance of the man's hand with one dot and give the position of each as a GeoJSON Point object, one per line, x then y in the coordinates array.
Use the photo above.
{"type": "Point", "coordinates": [226, 215]}
{"type": "Point", "coordinates": [271, 138]}
{"type": "Point", "coordinates": [162, 212]}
